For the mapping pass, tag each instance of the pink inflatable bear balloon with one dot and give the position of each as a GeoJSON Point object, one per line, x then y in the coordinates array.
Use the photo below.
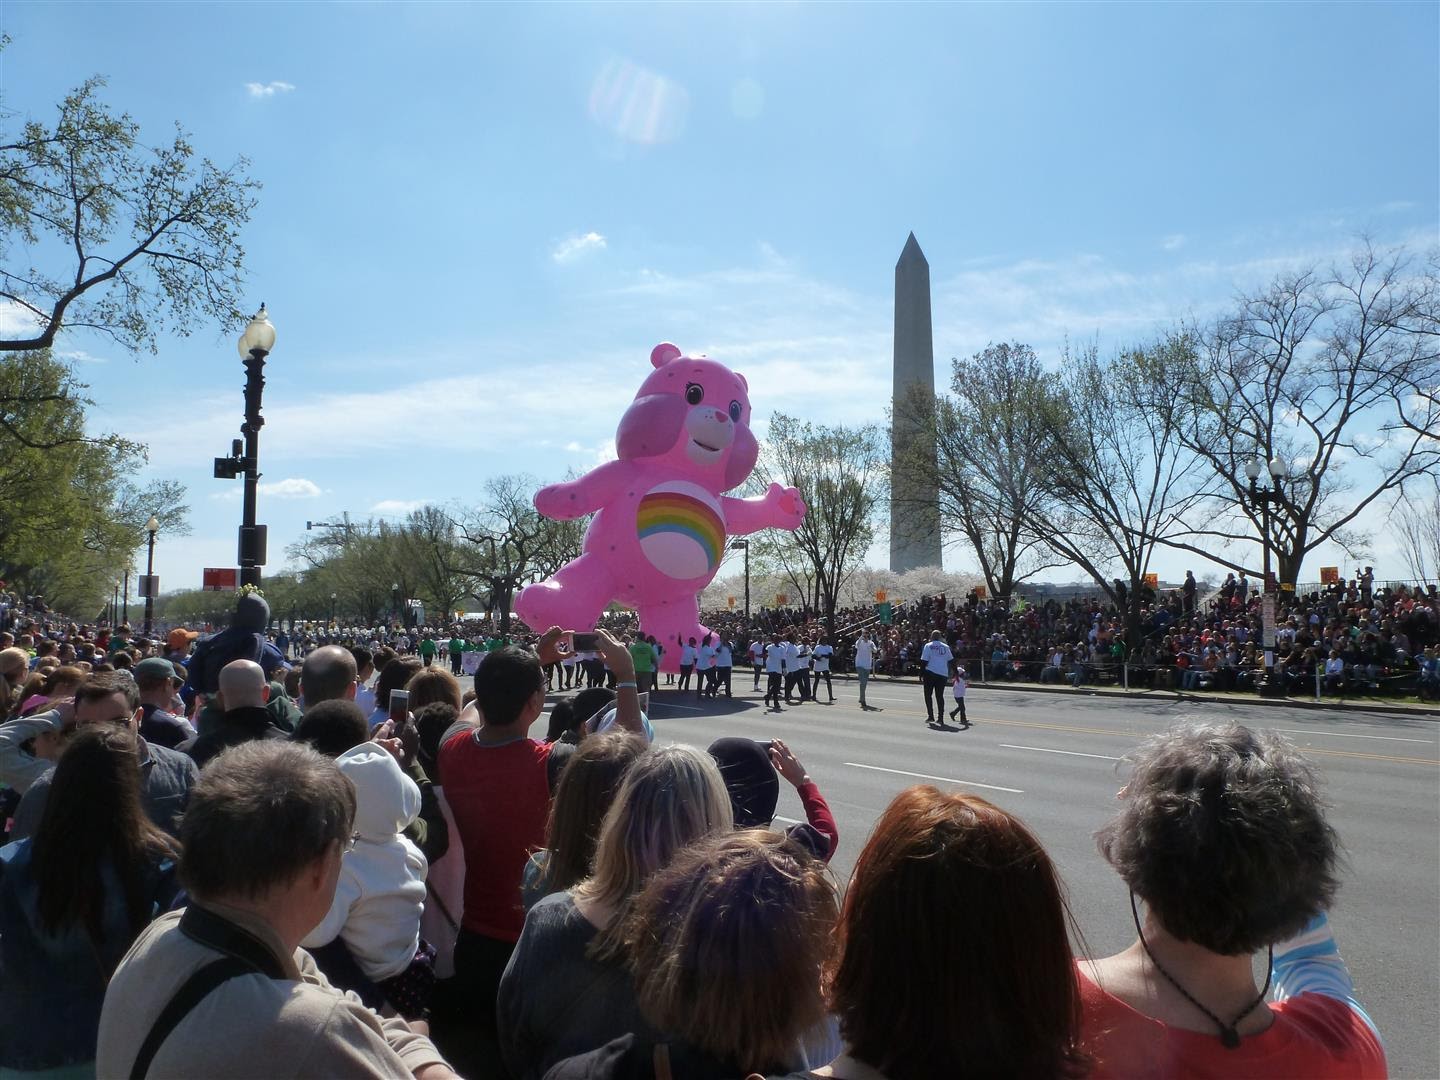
{"type": "Point", "coordinates": [661, 515]}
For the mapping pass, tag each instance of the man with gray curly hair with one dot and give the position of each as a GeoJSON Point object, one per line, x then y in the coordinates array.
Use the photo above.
{"type": "Point", "coordinates": [1222, 836]}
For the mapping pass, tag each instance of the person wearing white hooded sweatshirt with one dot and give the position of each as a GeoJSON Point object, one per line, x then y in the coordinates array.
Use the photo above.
{"type": "Point", "coordinates": [381, 891]}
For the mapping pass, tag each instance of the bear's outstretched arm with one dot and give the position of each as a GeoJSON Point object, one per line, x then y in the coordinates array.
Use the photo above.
{"type": "Point", "coordinates": [778, 508]}
{"type": "Point", "coordinates": [576, 498]}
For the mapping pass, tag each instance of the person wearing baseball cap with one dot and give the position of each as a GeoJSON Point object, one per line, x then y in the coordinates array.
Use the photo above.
{"type": "Point", "coordinates": [178, 643]}
{"type": "Point", "coordinates": [159, 680]}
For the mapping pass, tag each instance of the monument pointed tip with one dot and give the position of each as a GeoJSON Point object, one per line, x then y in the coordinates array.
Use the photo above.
{"type": "Point", "coordinates": [912, 252]}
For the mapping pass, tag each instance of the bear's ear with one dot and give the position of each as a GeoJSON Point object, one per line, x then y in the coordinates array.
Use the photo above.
{"type": "Point", "coordinates": [663, 353]}
{"type": "Point", "coordinates": [744, 385]}
{"type": "Point", "coordinates": [650, 426]}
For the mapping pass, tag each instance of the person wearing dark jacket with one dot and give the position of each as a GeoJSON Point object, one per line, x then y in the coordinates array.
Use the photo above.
{"type": "Point", "coordinates": [243, 691]}
{"type": "Point", "coordinates": [243, 639]}
{"type": "Point", "coordinates": [158, 680]}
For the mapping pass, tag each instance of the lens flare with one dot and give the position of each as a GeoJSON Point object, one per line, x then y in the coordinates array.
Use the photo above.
{"type": "Point", "coordinates": [638, 104]}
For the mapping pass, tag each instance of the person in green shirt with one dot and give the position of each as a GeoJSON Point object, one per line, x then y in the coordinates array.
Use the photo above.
{"type": "Point", "coordinates": [428, 649]}
{"type": "Point", "coordinates": [644, 658]}
{"type": "Point", "coordinates": [457, 648]}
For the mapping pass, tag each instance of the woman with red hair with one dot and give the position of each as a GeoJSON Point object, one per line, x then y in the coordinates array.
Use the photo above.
{"type": "Point", "coordinates": [954, 957]}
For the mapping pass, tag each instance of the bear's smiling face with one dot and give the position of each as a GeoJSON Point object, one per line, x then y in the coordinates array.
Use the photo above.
{"type": "Point", "coordinates": [693, 414]}
{"type": "Point", "coordinates": [710, 425]}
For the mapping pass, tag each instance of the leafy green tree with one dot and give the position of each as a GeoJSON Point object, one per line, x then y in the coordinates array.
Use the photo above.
{"type": "Point", "coordinates": [103, 230]}
{"type": "Point", "coordinates": [71, 515]}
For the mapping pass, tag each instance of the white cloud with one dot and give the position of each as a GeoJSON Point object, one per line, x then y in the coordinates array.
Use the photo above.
{"type": "Point", "coordinates": [574, 247]}
{"type": "Point", "coordinates": [397, 506]}
{"type": "Point", "coordinates": [598, 454]}
{"type": "Point", "coordinates": [80, 356]}
{"type": "Point", "coordinates": [15, 319]}
{"type": "Point", "coordinates": [291, 488]}
{"type": "Point", "coordinates": [1173, 242]}
{"type": "Point", "coordinates": [270, 89]}
{"type": "Point", "coordinates": [772, 258]}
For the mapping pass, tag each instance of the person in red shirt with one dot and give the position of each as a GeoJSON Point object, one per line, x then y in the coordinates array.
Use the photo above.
{"type": "Point", "coordinates": [499, 794]}
{"type": "Point", "coordinates": [1222, 837]}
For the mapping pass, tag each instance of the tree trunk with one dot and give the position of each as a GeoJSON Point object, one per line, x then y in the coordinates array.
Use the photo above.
{"type": "Point", "coordinates": [503, 592]}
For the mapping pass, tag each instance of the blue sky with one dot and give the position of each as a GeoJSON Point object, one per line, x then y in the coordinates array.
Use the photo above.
{"type": "Point", "coordinates": [478, 219]}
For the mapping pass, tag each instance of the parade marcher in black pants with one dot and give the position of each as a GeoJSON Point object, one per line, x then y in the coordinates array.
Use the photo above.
{"type": "Point", "coordinates": [724, 665]}
{"type": "Point", "coordinates": [936, 658]}
{"type": "Point", "coordinates": [775, 654]}
{"type": "Point", "coordinates": [821, 655]}
{"type": "Point", "coordinates": [687, 664]}
{"type": "Point", "coordinates": [705, 669]}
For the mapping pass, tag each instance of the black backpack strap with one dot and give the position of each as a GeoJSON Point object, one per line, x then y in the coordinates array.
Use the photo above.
{"type": "Point", "coordinates": [194, 991]}
{"type": "Point", "coordinates": [216, 932]}
{"type": "Point", "coordinates": [244, 954]}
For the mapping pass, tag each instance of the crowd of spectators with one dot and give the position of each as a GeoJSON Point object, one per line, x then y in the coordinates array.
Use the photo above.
{"type": "Point", "coordinates": [1340, 639]}
{"type": "Point", "coordinates": [300, 891]}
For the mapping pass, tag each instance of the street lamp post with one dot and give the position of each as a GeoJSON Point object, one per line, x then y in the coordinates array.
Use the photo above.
{"type": "Point", "coordinates": [744, 545]}
{"type": "Point", "coordinates": [151, 528]}
{"type": "Point", "coordinates": [1262, 498]}
{"type": "Point", "coordinates": [333, 598]}
{"type": "Point", "coordinates": [394, 605]}
{"type": "Point", "coordinates": [244, 460]}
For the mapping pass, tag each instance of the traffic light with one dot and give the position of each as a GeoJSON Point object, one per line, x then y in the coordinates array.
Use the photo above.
{"type": "Point", "coordinates": [227, 468]}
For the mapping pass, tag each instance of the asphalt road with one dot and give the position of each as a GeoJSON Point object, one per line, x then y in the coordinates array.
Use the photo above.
{"type": "Point", "coordinates": [1053, 759]}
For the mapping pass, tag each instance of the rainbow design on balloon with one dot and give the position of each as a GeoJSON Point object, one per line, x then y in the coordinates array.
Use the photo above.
{"type": "Point", "coordinates": [682, 536]}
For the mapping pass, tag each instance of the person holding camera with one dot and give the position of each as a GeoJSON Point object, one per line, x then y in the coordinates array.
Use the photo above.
{"type": "Point", "coordinates": [498, 790]}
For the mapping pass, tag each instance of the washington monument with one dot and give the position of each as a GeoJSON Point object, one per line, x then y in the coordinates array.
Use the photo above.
{"type": "Point", "coordinates": [914, 494]}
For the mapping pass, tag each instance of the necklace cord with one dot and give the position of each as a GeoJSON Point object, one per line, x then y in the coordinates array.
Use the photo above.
{"type": "Point", "coordinates": [1229, 1036]}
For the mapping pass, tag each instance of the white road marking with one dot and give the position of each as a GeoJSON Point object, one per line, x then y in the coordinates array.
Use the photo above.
{"type": "Point", "coordinates": [1069, 753]}
{"type": "Point", "coordinates": [669, 705]}
{"type": "Point", "coordinates": [1345, 735]}
{"type": "Point", "coordinates": [788, 820]}
{"type": "Point", "coordinates": [942, 779]}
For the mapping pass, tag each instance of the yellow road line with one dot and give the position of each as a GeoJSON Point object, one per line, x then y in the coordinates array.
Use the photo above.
{"type": "Point", "coordinates": [1369, 757]}
{"type": "Point", "coordinates": [1062, 727]}
{"type": "Point", "coordinates": [1141, 734]}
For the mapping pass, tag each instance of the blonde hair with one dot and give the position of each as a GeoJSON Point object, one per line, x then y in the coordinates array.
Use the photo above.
{"type": "Point", "coordinates": [14, 664]}
{"type": "Point", "coordinates": [669, 798]}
